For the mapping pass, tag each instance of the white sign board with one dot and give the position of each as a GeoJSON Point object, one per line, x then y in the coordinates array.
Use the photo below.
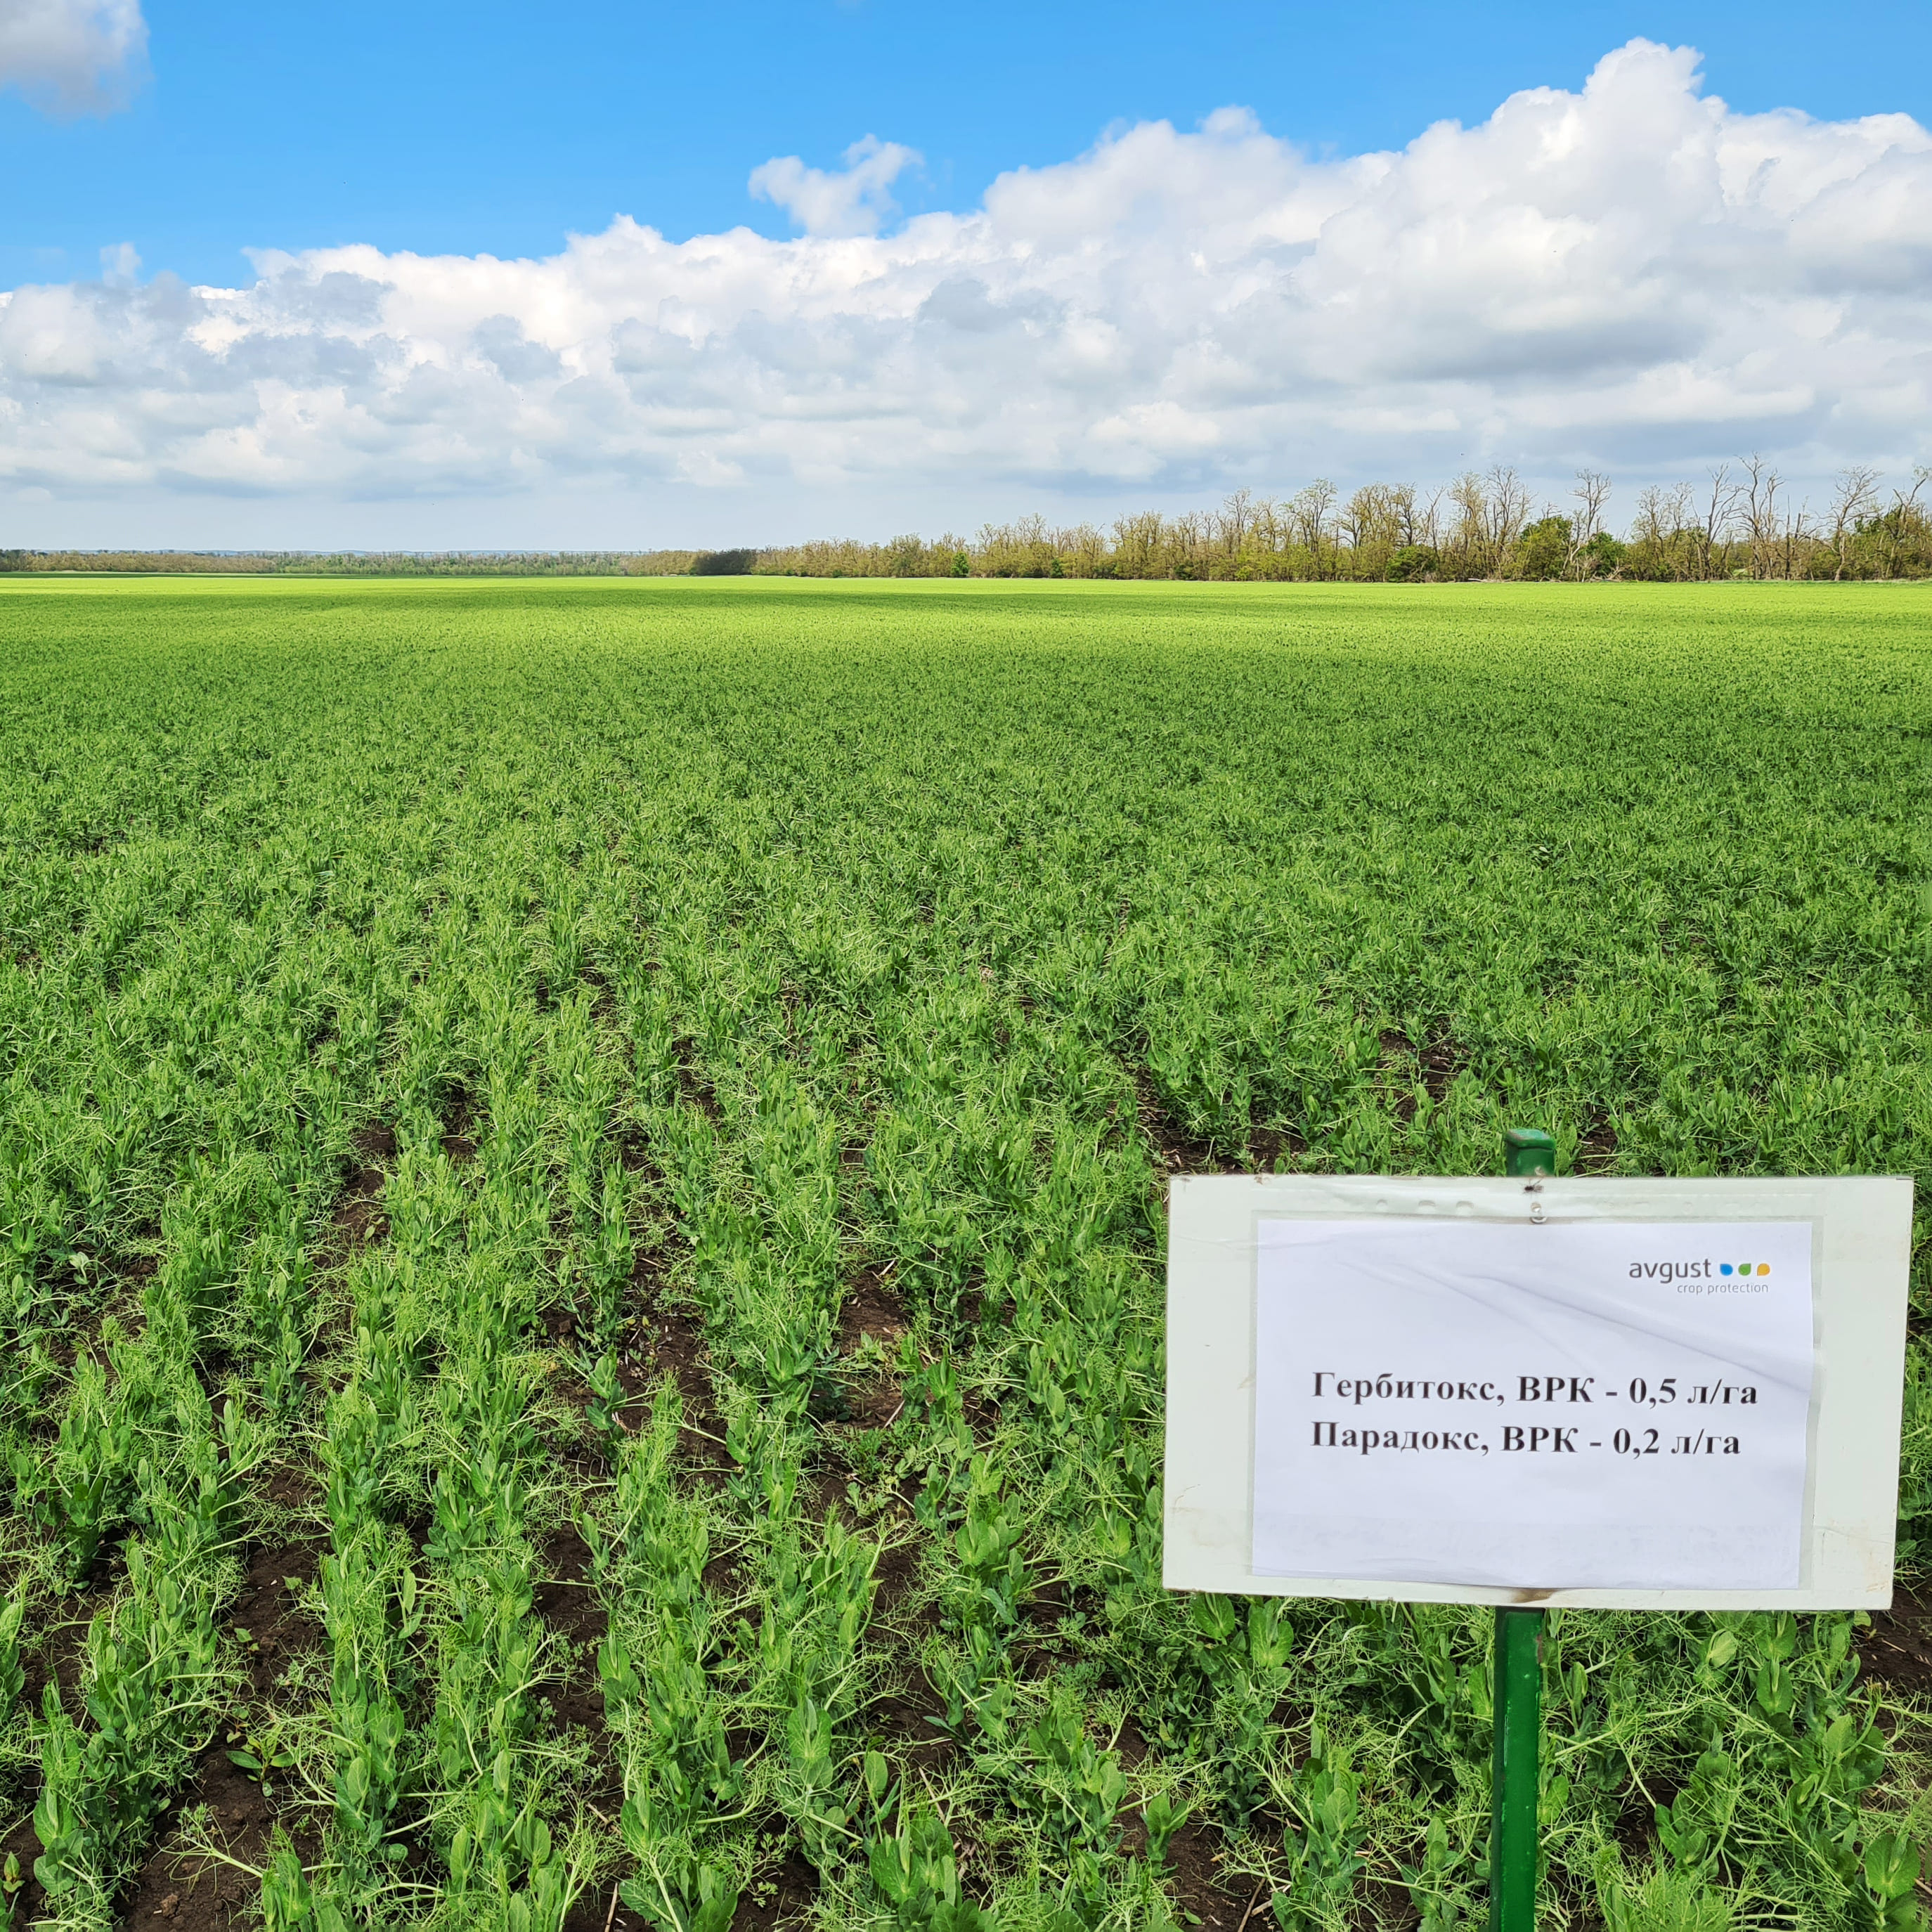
{"type": "Point", "coordinates": [1628, 1393]}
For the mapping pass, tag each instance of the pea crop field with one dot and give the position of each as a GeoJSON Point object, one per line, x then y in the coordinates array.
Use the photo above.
{"type": "Point", "coordinates": [584, 1170]}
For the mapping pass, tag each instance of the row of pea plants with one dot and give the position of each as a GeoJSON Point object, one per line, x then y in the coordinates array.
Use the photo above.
{"type": "Point", "coordinates": [442, 1749]}
{"type": "Point", "coordinates": [1012, 1219]}
{"type": "Point", "coordinates": [751, 1179]}
{"type": "Point", "coordinates": [147, 1457]}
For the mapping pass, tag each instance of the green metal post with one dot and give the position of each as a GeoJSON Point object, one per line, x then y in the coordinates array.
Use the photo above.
{"type": "Point", "coordinates": [1529, 1152]}
{"type": "Point", "coordinates": [1519, 1701]}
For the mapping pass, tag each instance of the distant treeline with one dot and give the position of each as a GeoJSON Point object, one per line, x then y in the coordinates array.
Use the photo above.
{"type": "Point", "coordinates": [1739, 522]}
{"type": "Point", "coordinates": [359, 563]}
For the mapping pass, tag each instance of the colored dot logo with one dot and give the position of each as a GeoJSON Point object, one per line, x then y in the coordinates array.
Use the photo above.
{"type": "Point", "coordinates": [1744, 1267]}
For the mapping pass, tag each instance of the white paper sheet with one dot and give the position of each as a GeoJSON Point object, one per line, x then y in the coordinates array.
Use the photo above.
{"type": "Point", "coordinates": [1532, 1407]}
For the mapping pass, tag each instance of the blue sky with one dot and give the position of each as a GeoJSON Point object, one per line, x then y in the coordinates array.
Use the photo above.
{"type": "Point", "coordinates": [302, 276]}
{"type": "Point", "coordinates": [487, 126]}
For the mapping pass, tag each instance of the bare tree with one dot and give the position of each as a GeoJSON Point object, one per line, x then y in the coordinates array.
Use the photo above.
{"type": "Point", "coordinates": [1469, 535]}
{"type": "Point", "coordinates": [1854, 496]}
{"type": "Point", "coordinates": [1269, 530]}
{"type": "Point", "coordinates": [1796, 539]}
{"type": "Point", "coordinates": [1237, 516]}
{"type": "Point", "coordinates": [1759, 493]}
{"type": "Point", "coordinates": [1083, 548]}
{"type": "Point", "coordinates": [1138, 542]}
{"type": "Point", "coordinates": [1714, 520]}
{"type": "Point", "coordinates": [1355, 522]}
{"type": "Point", "coordinates": [1312, 512]}
{"type": "Point", "coordinates": [1592, 493]}
{"type": "Point", "coordinates": [1508, 505]}
{"type": "Point", "coordinates": [1191, 535]}
{"type": "Point", "coordinates": [1423, 517]}
{"type": "Point", "coordinates": [1490, 513]}
{"type": "Point", "coordinates": [1402, 512]}
{"type": "Point", "coordinates": [1372, 522]}
{"type": "Point", "coordinates": [1652, 523]}
{"type": "Point", "coordinates": [1662, 528]}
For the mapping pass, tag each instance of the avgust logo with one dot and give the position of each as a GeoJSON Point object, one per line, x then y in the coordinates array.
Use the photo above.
{"type": "Point", "coordinates": [1693, 1271]}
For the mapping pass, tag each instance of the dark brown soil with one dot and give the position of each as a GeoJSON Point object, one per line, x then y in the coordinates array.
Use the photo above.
{"type": "Point", "coordinates": [1636, 1828]}
{"type": "Point", "coordinates": [787, 1889]}
{"type": "Point", "coordinates": [692, 1087]}
{"type": "Point", "coordinates": [902, 1720]}
{"type": "Point", "coordinates": [186, 1891]}
{"type": "Point", "coordinates": [673, 1345]}
{"type": "Point", "coordinates": [871, 1308]}
{"type": "Point", "coordinates": [1385, 1903]}
{"type": "Point", "coordinates": [634, 1153]}
{"type": "Point", "coordinates": [724, 1578]}
{"type": "Point", "coordinates": [897, 1571]}
{"type": "Point", "coordinates": [1195, 1876]}
{"type": "Point", "coordinates": [358, 1217]}
{"type": "Point", "coordinates": [1269, 1147]}
{"type": "Point", "coordinates": [1435, 1064]}
{"type": "Point", "coordinates": [777, 1897]}
{"type": "Point", "coordinates": [650, 1274]}
{"type": "Point", "coordinates": [560, 1326]}
{"type": "Point", "coordinates": [1198, 1886]}
{"type": "Point", "coordinates": [20, 1843]}
{"type": "Point", "coordinates": [1177, 1152]}
{"type": "Point", "coordinates": [603, 1911]}
{"type": "Point", "coordinates": [874, 1403]}
{"type": "Point", "coordinates": [566, 1602]}
{"type": "Point", "coordinates": [603, 1003]}
{"type": "Point", "coordinates": [1442, 1060]}
{"type": "Point", "coordinates": [267, 1616]}
{"type": "Point", "coordinates": [1596, 1149]}
{"type": "Point", "coordinates": [1898, 1649]}
{"type": "Point", "coordinates": [459, 1141]}
{"type": "Point", "coordinates": [899, 1715]}
{"type": "Point", "coordinates": [291, 1488]}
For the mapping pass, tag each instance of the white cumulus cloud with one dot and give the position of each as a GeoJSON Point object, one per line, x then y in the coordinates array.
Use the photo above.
{"type": "Point", "coordinates": [1632, 276]}
{"type": "Point", "coordinates": [856, 199]}
{"type": "Point", "coordinates": [72, 55]}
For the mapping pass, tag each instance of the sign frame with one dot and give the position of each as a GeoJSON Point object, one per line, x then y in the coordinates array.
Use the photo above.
{"type": "Point", "coordinates": [1861, 1243]}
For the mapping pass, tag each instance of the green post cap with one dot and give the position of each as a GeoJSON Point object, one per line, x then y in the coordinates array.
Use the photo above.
{"type": "Point", "coordinates": [1528, 1151]}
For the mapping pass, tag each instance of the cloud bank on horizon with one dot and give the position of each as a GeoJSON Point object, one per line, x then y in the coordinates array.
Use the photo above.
{"type": "Point", "coordinates": [1632, 276]}
{"type": "Point", "coordinates": [73, 56]}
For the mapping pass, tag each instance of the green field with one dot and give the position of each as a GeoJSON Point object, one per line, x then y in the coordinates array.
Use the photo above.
{"type": "Point", "coordinates": [584, 1174]}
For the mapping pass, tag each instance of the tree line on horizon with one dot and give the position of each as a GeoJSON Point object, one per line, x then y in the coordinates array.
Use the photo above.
{"type": "Point", "coordinates": [1739, 522]}
{"type": "Point", "coordinates": [355, 563]}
